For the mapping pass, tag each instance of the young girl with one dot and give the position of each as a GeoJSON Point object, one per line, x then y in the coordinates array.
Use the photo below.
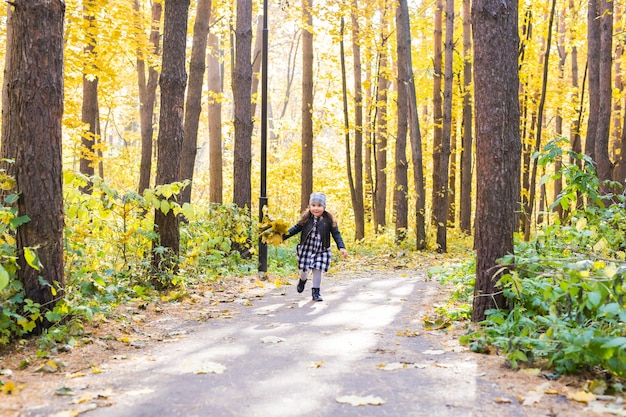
{"type": "Point", "coordinates": [316, 225]}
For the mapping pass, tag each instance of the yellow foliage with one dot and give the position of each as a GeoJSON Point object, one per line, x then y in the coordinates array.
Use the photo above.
{"type": "Point", "coordinates": [271, 231]}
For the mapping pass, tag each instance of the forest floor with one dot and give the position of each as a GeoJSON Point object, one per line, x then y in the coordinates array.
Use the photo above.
{"type": "Point", "coordinates": [258, 348]}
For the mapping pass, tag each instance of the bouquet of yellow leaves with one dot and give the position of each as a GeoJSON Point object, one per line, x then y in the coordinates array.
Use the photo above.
{"type": "Point", "coordinates": [272, 230]}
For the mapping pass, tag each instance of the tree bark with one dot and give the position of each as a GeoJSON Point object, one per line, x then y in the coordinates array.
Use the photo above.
{"type": "Point", "coordinates": [357, 199]}
{"type": "Point", "coordinates": [193, 106]}
{"type": "Point", "coordinates": [33, 122]}
{"type": "Point", "coordinates": [170, 139]}
{"type": "Point", "coordinates": [307, 105]}
{"type": "Point", "coordinates": [601, 145]}
{"type": "Point", "coordinates": [215, 86]}
{"type": "Point", "coordinates": [147, 97]}
{"type": "Point", "coordinates": [242, 87]}
{"type": "Point", "coordinates": [465, 200]}
{"type": "Point", "coordinates": [438, 181]}
{"type": "Point", "coordinates": [380, 145]}
{"type": "Point", "coordinates": [496, 41]}
{"type": "Point", "coordinates": [400, 191]}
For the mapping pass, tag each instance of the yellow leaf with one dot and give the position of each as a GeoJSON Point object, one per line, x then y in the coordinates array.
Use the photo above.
{"type": "Point", "coordinates": [581, 397]}
{"type": "Point", "coordinates": [501, 400]}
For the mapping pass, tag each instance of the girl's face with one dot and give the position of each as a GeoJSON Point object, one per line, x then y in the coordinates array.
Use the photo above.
{"type": "Point", "coordinates": [316, 209]}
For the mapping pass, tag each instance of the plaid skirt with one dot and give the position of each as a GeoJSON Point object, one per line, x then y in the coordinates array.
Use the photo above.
{"type": "Point", "coordinates": [311, 254]}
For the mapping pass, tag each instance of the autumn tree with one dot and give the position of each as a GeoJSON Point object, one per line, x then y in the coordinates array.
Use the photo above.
{"type": "Point", "coordinates": [32, 115]}
{"type": "Point", "coordinates": [307, 104]}
{"type": "Point", "coordinates": [193, 106]}
{"type": "Point", "coordinates": [242, 95]}
{"type": "Point", "coordinates": [214, 109]}
{"type": "Point", "coordinates": [90, 116]}
{"type": "Point", "coordinates": [465, 200]}
{"type": "Point", "coordinates": [170, 139]}
{"type": "Point", "coordinates": [496, 41]}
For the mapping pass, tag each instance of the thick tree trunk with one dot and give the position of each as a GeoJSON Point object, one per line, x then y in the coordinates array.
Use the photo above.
{"type": "Point", "coordinates": [496, 42]}
{"type": "Point", "coordinates": [242, 87]}
{"type": "Point", "coordinates": [215, 86]}
{"type": "Point", "coordinates": [307, 105]}
{"type": "Point", "coordinates": [193, 106]}
{"type": "Point", "coordinates": [170, 139]}
{"type": "Point", "coordinates": [465, 200]}
{"type": "Point", "coordinates": [32, 122]}
{"type": "Point", "coordinates": [400, 190]}
{"type": "Point", "coordinates": [357, 200]}
{"type": "Point", "coordinates": [147, 97]}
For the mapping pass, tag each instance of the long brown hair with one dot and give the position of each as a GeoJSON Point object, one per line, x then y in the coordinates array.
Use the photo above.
{"type": "Point", "coordinates": [306, 215]}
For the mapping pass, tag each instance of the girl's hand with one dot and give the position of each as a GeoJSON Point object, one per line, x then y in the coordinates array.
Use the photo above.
{"type": "Point", "coordinates": [344, 252]}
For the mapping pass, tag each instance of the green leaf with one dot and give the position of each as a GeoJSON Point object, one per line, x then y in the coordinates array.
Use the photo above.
{"type": "Point", "coordinates": [31, 258]}
{"type": "Point", "coordinates": [616, 342]}
{"type": "Point", "coordinates": [18, 221]}
{"type": "Point", "coordinates": [4, 278]}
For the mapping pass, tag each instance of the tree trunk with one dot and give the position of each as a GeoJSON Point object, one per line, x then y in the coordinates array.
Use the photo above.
{"type": "Point", "coordinates": [32, 125]}
{"type": "Point", "coordinates": [214, 83]}
{"type": "Point", "coordinates": [193, 106]}
{"type": "Point", "coordinates": [170, 139]}
{"type": "Point", "coordinates": [357, 200]}
{"type": "Point", "coordinates": [90, 117]}
{"type": "Point", "coordinates": [465, 200]}
{"type": "Point", "coordinates": [380, 148]}
{"type": "Point", "coordinates": [601, 146]}
{"type": "Point", "coordinates": [147, 97]}
{"type": "Point", "coordinates": [400, 190]}
{"type": "Point", "coordinates": [438, 181]}
{"type": "Point", "coordinates": [242, 87]}
{"type": "Point", "coordinates": [593, 75]}
{"type": "Point", "coordinates": [307, 105]}
{"type": "Point", "coordinates": [256, 63]}
{"type": "Point", "coordinates": [440, 204]}
{"type": "Point", "coordinates": [496, 42]}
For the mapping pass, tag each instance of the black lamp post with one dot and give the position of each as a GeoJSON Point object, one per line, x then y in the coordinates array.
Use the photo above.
{"type": "Point", "coordinates": [263, 193]}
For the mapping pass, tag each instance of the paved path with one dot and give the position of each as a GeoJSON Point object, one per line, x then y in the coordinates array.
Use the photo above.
{"type": "Point", "coordinates": [287, 356]}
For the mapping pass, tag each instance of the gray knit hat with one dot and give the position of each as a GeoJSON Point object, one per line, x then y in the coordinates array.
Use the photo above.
{"type": "Point", "coordinates": [319, 198]}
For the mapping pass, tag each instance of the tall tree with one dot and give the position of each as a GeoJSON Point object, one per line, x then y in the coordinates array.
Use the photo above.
{"type": "Point", "coordinates": [496, 80]}
{"type": "Point", "coordinates": [215, 87]}
{"type": "Point", "coordinates": [307, 104]}
{"type": "Point", "coordinates": [242, 87]}
{"type": "Point", "coordinates": [400, 198]}
{"type": "Point", "coordinates": [404, 38]}
{"type": "Point", "coordinates": [380, 137]}
{"type": "Point", "coordinates": [357, 198]}
{"type": "Point", "coordinates": [465, 200]}
{"type": "Point", "coordinates": [147, 94]}
{"type": "Point", "coordinates": [601, 145]}
{"type": "Point", "coordinates": [90, 116]}
{"type": "Point", "coordinates": [193, 106]}
{"type": "Point", "coordinates": [32, 115]}
{"type": "Point", "coordinates": [438, 181]}
{"type": "Point", "coordinates": [170, 139]}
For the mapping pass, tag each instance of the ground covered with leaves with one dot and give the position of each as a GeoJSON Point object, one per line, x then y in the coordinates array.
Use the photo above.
{"type": "Point", "coordinates": [33, 380]}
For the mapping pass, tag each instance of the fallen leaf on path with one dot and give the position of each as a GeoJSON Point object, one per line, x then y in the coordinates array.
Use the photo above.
{"type": "Point", "coordinates": [211, 368]}
{"type": "Point", "coordinates": [530, 371]}
{"type": "Point", "coordinates": [500, 400]}
{"type": "Point", "coordinates": [272, 339]}
{"type": "Point", "coordinates": [436, 322]}
{"type": "Point", "coordinates": [64, 391]}
{"type": "Point", "coordinates": [357, 401]}
{"type": "Point", "coordinates": [316, 364]}
{"type": "Point", "coordinates": [9, 388]}
{"type": "Point", "coordinates": [408, 333]}
{"type": "Point", "coordinates": [581, 396]}
{"type": "Point", "coordinates": [391, 366]}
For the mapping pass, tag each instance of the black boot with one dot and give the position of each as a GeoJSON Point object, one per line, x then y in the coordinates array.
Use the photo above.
{"type": "Point", "coordinates": [316, 294]}
{"type": "Point", "coordinates": [301, 285]}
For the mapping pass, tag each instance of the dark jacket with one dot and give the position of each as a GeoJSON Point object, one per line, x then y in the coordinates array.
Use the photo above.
{"type": "Point", "coordinates": [324, 227]}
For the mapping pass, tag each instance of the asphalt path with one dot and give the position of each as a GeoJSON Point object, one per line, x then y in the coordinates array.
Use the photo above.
{"type": "Point", "coordinates": [362, 351]}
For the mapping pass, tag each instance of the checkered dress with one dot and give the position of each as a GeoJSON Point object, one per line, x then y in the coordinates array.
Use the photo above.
{"type": "Point", "coordinates": [311, 254]}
